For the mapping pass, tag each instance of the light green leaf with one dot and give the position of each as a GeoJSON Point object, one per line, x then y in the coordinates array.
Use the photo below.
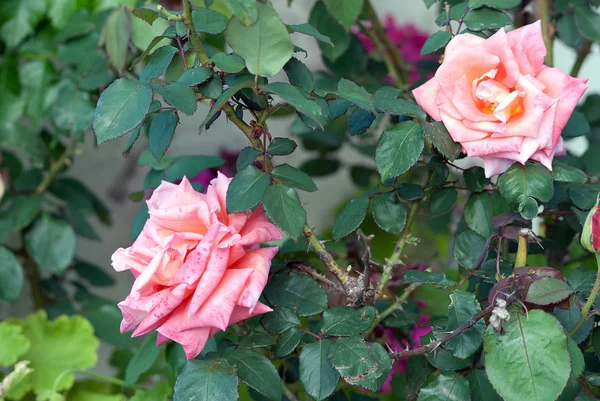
{"type": "Point", "coordinates": [178, 95]}
{"type": "Point", "coordinates": [209, 21]}
{"type": "Point", "coordinates": [265, 46]}
{"type": "Point", "coordinates": [208, 380]}
{"type": "Point", "coordinates": [51, 244]}
{"type": "Point", "coordinates": [115, 36]}
{"type": "Point", "coordinates": [195, 76]}
{"type": "Point", "coordinates": [11, 277]}
{"type": "Point", "coordinates": [282, 206]}
{"type": "Point", "coordinates": [350, 218]}
{"type": "Point", "coordinates": [230, 63]}
{"type": "Point", "coordinates": [399, 149]}
{"type": "Point", "coordinates": [257, 372]}
{"type": "Point", "coordinates": [13, 344]}
{"type": "Point", "coordinates": [308, 29]}
{"type": "Point", "coordinates": [157, 63]}
{"type": "Point", "coordinates": [145, 14]}
{"type": "Point", "coordinates": [246, 11]}
{"type": "Point", "coordinates": [535, 348]}
{"type": "Point", "coordinates": [293, 177]}
{"type": "Point", "coordinates": [446, 387]}
{"type": "Point", "coordinates": [547, 291]}
{"type": "Point", "coordinates": [317, 375]}
{"type": "Point", "coordinates": [161, 132]}
{"type": "Point", "coordinates": [246, 189]}
{"type": "Point", "coordinates": [345, 11]}
{"type": "Point", "coordinates": [389, 213]}
{"type": "Point", "coordinates": [297, 292]}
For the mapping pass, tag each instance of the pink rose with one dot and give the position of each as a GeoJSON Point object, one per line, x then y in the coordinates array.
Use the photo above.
{"type": "Point", "coordinates": [197, 268]}
{"type": "Point", "coordinates": [499, 101]}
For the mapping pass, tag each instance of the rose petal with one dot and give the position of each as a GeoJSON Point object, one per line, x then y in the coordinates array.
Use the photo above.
{"type": "Point", "coordinates": [258, 229]}
{"type": "Point", "coordinates": [508, 69]}
{"type": "Point", "coordinates": [492, 146]}
{"type": "Point", "coordinates": [260, 261]}
{"type": "Point", "coordinates": [527, 44]}
{"type": "Point", "coordinates": [495, 165]}
{"type": "Point", "coordinates": [459, 132]}
{"type": "Point", "coordinates": [425, 96]}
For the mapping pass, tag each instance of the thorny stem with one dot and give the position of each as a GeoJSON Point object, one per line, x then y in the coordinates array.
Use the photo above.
{"type": "Point", "coordinates": [434, 344]}
{"type": "Point", "coordinates": [194, 37]}
{"type": "Point", "coordinates": [182, 53]}
{"type": "Point", "coordinates": [394, 259]}
{"type": "Point", "coordinates": [384, 54]}
{"type": "Point", "coordinates": [582, 54]}
{"type": "Point", "coordinates": [56, 168]}
{"type": "Point", "coordinates": [397, 304]}
{"type": "Point", "coordinates": [325, 256]}
{"type": "Point", "coordinates": [542, 11]}
{"type": "Point", "coordinates": [585, 311]}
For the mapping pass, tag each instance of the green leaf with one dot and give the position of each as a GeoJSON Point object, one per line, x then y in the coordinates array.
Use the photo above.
{"type": "Point", "coordinates": [535, 349]}
{"type": "Point", "coordinates": [23, 210]}
{"type": "Point", "coordinates": [208, 380]}
{"type": "Point", "coordinates": [209, 21]}
{"type": "Point", "coordinates": [11, 276]}
{"type": "Point", "coordinates": [387, 100]}
{"type": "Point", "coordinates": [520, 181]}
{"type": "Point", "coordinates": [293, 177]}
{"type": "Point", "coordinates": [435, 42]}
{"type": "Point", "coordinates": [72, 111]}
{"type": "Point", "coordinates": [195, 76]}
{"type": "Point", "coordinates": [246, 11]}
{"type": "Point", "coordinates": [588, 23]}
{"type": "Point", "coordinates": [320, 167]}
{"type": "Point", "coordinates": [468, 247]}
{"type": "Point", "coordinates": [360, 363]}
{"type": "Point", "coordinates": [13, 344]}
{"type": "Point", "coordinates": [161, 132]}
{"type": "Point", "coordinates": [324, 23]}
{"type": "Point", "coordinates": [287, 342]}
{"type": "Point", "coordinates": [345, 11]}
{"type": "Point", "coordinates": [577, 125]}
{"type": "Point", "coordinates": [547, 291]}
{"type": "Point", "coordinates": [142, 360]}
{"type": "Point", "coordinates": [139, 221]}
{"type": "Point", "coordinates": [56, 349]}
{"type": "Point", "coordinates": [230, 63]}
{"type": "Point", "coordinates": [246, 189]}
{"type": "Point", "coordinates": [478, 215]}
{"type": "Point", "coordinates": [481, 388]}
{"type": "Point", "coordinates": [224, 98]}
{"type": "Point", "coordinates": [246, 157]}
{"type": "Point", "coordinates": [257, 372]}
{"type": "Point", "coordinates": [294, 97]}
{"type": "Point", "coordinates": [51, 244]}
{"type": "Point", "coordinates": [437, 133]}
{"type": "Point", "coordinates": [115, 36]}
{"type": "Point", "coordinates": [256, 340]}
{"type": "Point", "coordinates": [410, 192]}
{"type": "Point", "coordinates": [308, 29]}
{"type": "Point", "coordinates": [463, 306]}
{"type": "Point", "coordinates": [567, 31]}
{"type": "Point", "coordinates": [421, 277]}
{"type": "Point", "coordinates": [350, 218]}
{"type": "Point", "coordinates": [355, 94]}
{"type": "Point", "coordinates": [447, 386]}
{"type": "Point", "coordinates": [157, 63]}
{"type": "Point", "coordinates": [486, 18]}
{"type": "Point", "coordinates": [299, 74]}
{"type": "Point", "coordinates": [417, 370]}
{"type": "Point", "coordinates": [577, 361]}
{"type": "Point", "coordinates": [565, 173]}
{"type": "Point", "coordinates": [581, 279]}
{"type": "Point", "coordinates": [145, 14]}
{"type": "Point", "coordinates": [191, 166]}
{"type": "Point", "coordinates": [121, 108]}
{"type": "Point", "coordinates": [178, 95]}
{"type": "Point", "coordinates": [506, 4]}
{"type": "Point", "coordinates": [442, 200]}
{"type": "Point", "coordinates": [317, 375]}
{"type": "Point", "coordinates": [399, 149]}
{"type": "Point", "coordinates": [282, 206]}
{"type": "Point", "coordinates": [528, 208]}
{"type": "Point", "coordinates": [345, 321]}
{"type": "Point", "coordinates": [280, 320]}
{"type": "Point", "coordinates": [475, 179]}
{"type": "Point", "coordinates": [297, 292]}
{"type": "Point", "coordinates": [389, 214]}
{"type": "Point", "coordinates": [265, 46]}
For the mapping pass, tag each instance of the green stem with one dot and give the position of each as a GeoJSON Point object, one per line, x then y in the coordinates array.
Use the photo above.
{"type": "Point", "coordinates": [392, 308]}
{"type": "Point", "coordinates": [582, 54]}
{"type": "Point", "coordinates": [56, 168]}
{"type": "Point", "coordinates": [288, 393]}
{"type": "Point", "coordinates": [585, 311]}
{"type": "Point", "coordinates": [194, 37]}
{"type": "Point", "coordinates": [325, 256]}
{"type": "Point", "coordinates": [542, 11]}
{"type": "Point", "coordinates": [384, 54]}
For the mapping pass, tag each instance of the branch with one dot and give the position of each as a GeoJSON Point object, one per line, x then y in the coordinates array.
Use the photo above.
{"type": "Point", "coordinates": [325, 256]}
{"type": "Point", "coordinates": [194, 37]}
{"type": "Point", "coordinates": [585, 311]}
{"type": "Point", "coordinates": [392, 308]}
{"type": "Point", "coordinates": [582, 54]}
{"type": "Point", "coordinates": [542, 11]}
{"type": "Point", "coordinates": [384, 54]}
{"type": "Point", "coordinates": [435, 344]}
{"type": "Point", "coordinates": [56, 168]}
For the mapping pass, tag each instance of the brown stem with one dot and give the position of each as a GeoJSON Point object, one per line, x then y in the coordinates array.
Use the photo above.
{"type": "Point", "coordinates": [542, 11]}
{"type": "Point", "coordinates": [387, 59]}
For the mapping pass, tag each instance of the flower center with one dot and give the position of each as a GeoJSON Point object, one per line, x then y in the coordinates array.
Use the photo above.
{"type": "Point", "coordinates": [491, 93]}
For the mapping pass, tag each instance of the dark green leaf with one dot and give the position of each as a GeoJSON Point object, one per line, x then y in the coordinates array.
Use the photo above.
{"type": "Point", "coordinates": [230, 63]}
{"type": "Point", "coordinates": [11, 276]}
{"type": "Point", "coordinates": [320, 167]}
{"type": "Point", "coordinates": [121, 108]}
{"type": "Point", "coordinates": [468, 247]}
{"type": "Point", "coordinates": [297, 292]}
{"type": "Point", "coordinates": [224, 98]}
{"type": "Point", "coordinates": [399, 149]}
{"type": "Point", "coordinates": [299, 74]}
{"type": "Point", "coordinates": [308, 29]}
{"type": "Point", "coordinates": [421, 277]}
{"type": "Point", "coordinates": [246, 11]}
{"type": "Point", "coordinates": [93, 274]}
{"type": "Point", "coordinates": [294, 97]}
{"type": "Point", "coordinates": [437, 133]}
{"type": "Point", "coordinates": [417, 370]}
{"type": "Point", "coordinates": [528, 208]}
{"type": "Point", "coordinates": [246, 189]}
{"type": "Point", "coordinates": [51, 244]}
{"type": "Point", "coordinates": [478, 215]}
{"type": "Point", "coordinates": [447, 386]}
{"type": "Point", "coordinates": [547, 291]}
{"type": "Point", "coordinates": [280, 320]}
{"type": "Point", "coordinates": [257, 372]}
{"type": "Point", "coordinates": [208, 380]}
{"type": "Point", "coordinates": [567, 31]}
{"type": "Point", "coordinates": [442, 200]}
{"type": "Point", "coordinates": [534, 343]}
{"type": "Point", "coordinates": [565, 173]}
{"type": "Point", "coordinates": [190, 166]}
{"type": "Point", "coordinates": [142, 360]}
{"type": "Point", "coordinates": [355, 94]}
{"type": "Point", "coordinates": [246, 157]}
{"type": "Point", "coordinates": [178, 95]}
{"type": "Point", "coordinates": [577, 125]}
{"type": "Point", "coordinates": [507, 4]}
{"type": "Point", "coordinates": [338, 39]}
{"type": "Point", "coordinates": [360, 121]}
{"type": "Point", "coordinates": [256, 340]}
{"type": "Point", "coordinates": [294, 178]}
{"type": "Point", "coordinates": [581, 279]}
{"type": "Point", "coordinates": [281, 147]}
{"type": "Point", "coordinates": [287, 342]}
{"type": "Point", "coordinates": [520, 181]}
{"type": "Point", "coordinates": [481, 388]}
{"type": "Point", "coordinates": [345, 11]}
{"type": "Point", "coordinates": [351, 217]}
{"type": "Point", "coordinates": [161, 132]}
{"type": "Point", "coordinates": [209, 21]}
{"type": "Point", "coordinates": [410, 192]}
{"type": "Point", "coordinates": [435, 42]}
{"type": "Point", "coordinates": [195, 76]}
{"type": "Point", "coordinates": [588, 23]}
{"type": "Point", "coordinates": [360, 363]}
{"type": "Point", "coordinates": [346, 321]}
{"type": "Point", "coordinates": [389, 214]}
{"type": "Point", "coordinates": [282, 206]}
{"type": "Point", "coordinates": [158, 63]}
{"type": "Point", "coordinates": [463, 306]}
{"type": "Point", "coordinates": [486, 18]}
{"type": "Point", "coordinates": [475, 179]}
{"type": "Point", "coordinates": [139, 221]}
{"type": "Point", "coordinates": [570, 317]}
{"type": "Point", "coordinates": [145, 14]}
{"type": "Point", "coordinates": [317, 375]}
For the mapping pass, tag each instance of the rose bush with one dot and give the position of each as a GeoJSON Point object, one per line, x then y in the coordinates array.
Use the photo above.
{"type": "Point", "coordinates": [197, 268]}
{"type": "Point", "coordinates": [499, 101]}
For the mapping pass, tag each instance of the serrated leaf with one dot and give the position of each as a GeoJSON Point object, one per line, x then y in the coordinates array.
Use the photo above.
{"type": "Point", "coordinates": [345, 11]}
{"type": "Point", "coordinates": [161, 132]}
{"type": "Point", "coordinates": [256, 340]}
{"type": "Point", "coordinates": [246, 189]}
{"type": "Point", "coordinates": [547, 291]}
{"type": "Point", "coordinates": [282, 206]}
{"type": "Point", "coordinates": [520, 181]}
{"type": "Point", "coordinates": [360, 121]}
{"type": "Point", "coordinates": [486, 18]}
{"type": "Point", "coordinates": [355, 94]}
{"type": "Point", "coordinates": [442, 200]}
{"type": "Point", "coordinates": [257, 372]}
{"type": "Point", "coordinates": [145, 14]}
{"type": "Point", "coordinates": [308, 29]}
{"type": "Point", "coordinates": [297, 292]}
{"type": "Point", "coordinates": [190, 166]}
{"type": "Point", "coordinates": [287, 342]}
{"type": "Point", "coordinates": [195, 76]}
{"type": "Point", "coordinates": [435, 42]}
{"type": "Point", "coordinates": [224, 98]}
{"type": "Point", "coordinates": [293, 177]}
{"type": "Point", "coordinates": [481, 388]}
{"type": "Point", "coordinates": [478, 215]}
{"type": "Point", "coordinates": [317, 375]}
{"type": "Point", "coordinates": [421, 277]}
{"type": "Point", "coordinates": [506, 4]}
{"type": "Point", "coordinates": [345, 321]}
{"type": "Point", "coordinates": [294, 97]}
{"type": "Point", "coordinates": [230, 63]}
{"type": "Point", "coordinates": [178, 95]}
{"type": "Point", "coordinates": [468, 247]}
{"type": "Point", "coordinates": [389, 214]}
{"type": "Point", "coordinates": [437, 133]}
{"type": "Point", "coordinates": [565, 173]}
{"type": "Point", "coordinates": [208, 380]}
{"type": "Point", "coordinates": [447, 386]}
{"type": "Point", "coordinates": [463, 306]}
{"type": "Point", "coordinates": [399, 149]}
{"type": "Point", "coordinates": [157, 63]}
{"type": "Point", "coordinates": [280, 320]}
{"type": "Point", "coordinates": [299, 74]}
{"type": "Point", "coordinates": [246, 157]}
{"type": "Point", "coordinates": [209, 21]}
{"type": "Point", "coordinates": [120, 109]}
{"type": "Point", "coordinates": [323, 22]}
{"type": "Point", "coordinates": [116, 35]}
{"type": "Point", "coordinates": [350, 217]}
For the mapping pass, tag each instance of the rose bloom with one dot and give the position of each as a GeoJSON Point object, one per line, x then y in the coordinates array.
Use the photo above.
{"type": "Point", "coordinates": [499, 101]}
{"type": "Point", "coordinates": [197, 268]}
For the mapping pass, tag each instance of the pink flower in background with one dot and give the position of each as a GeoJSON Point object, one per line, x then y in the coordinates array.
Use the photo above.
{"type": "Point", "coordinates": [498, 99]}
{"type": "Point", "coordinates": [409, 40]}
{"type": "Point", "coordinates": [197, 268]}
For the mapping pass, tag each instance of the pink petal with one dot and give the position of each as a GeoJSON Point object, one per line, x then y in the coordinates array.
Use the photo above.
{"type": "Point", "coordinates": [157, 315]}
{"type": "Point", "coordinates": [169, 195]}
{"type": "Point", "coordinates": [190, 218]}
{"type": "Point", "coordinates": [527, 44]}
{"type": "Point", "coordinates": [135, 310]}
{"type": "Point", "coordinates": [508, 69]}
{"type": "Point", "coordinates": [217, 265]}
{"type": "Point", "coordinates": [495, 165]}
{"type": "Point", "coordinates": [462, 41]}
{"type": "Point", "coordinates": [464, 102]}
{"type": "Point", "coordinates": [425, 96]}
{"type": "Point", "coordinates": [492, 146]}
{"type": "Point", "coordinates": [260, 261]}
{"type": "Point", "coordinates": [258, 229]}
{"type": "Point", "coordinates": [459, 132]}
{"type": "Point", "coordinates": [471, 63]}
{"type": "Point", "coordinates": [241, 313]}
